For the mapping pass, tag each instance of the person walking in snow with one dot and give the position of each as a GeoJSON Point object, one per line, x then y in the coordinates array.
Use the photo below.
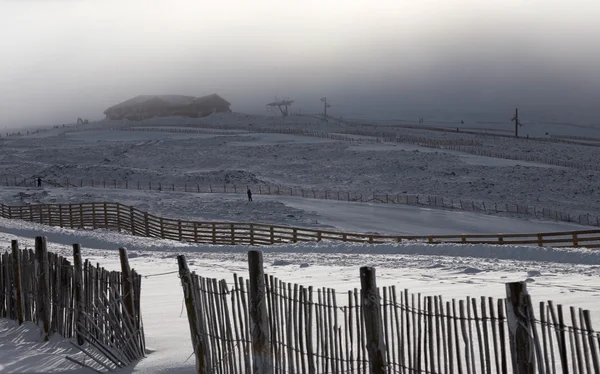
{"type": "Point", "coordinates": [249, 195]}
{"type": "Point", "coordinates": [39, 182]}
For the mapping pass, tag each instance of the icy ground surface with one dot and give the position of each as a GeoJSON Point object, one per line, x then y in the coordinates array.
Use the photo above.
{"type": "Point", "coordinates": [293, 211]}
{"type": "Point", "coordinates": [231, 153]}
{"type": "Point", "coordinates": [568, 276]}
{"type": "Point", "coordinates": [243, 158]}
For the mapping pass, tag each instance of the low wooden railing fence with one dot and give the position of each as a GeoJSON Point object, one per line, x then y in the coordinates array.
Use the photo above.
{"type": "Point", "coordinates": [488, 207]}
{"type": "Point", "coordinates": [128, 219]}
{"type": "Point", "coordinates": [79, 300]}
{"type": "Point", "coordinates": [263, 325]}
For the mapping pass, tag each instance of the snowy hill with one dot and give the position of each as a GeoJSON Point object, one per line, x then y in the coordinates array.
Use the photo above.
{"type": "Point", "coordinates": [228, 149]}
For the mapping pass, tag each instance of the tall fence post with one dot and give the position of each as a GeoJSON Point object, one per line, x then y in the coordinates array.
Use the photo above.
{"type": "Point", "coordinates": [78, 284]}
{"type": "Point", "coordinates": [132, 220]}
{"type": "Point", "coordinates": [373, 322]}
{"type": "Point", "coordinates": [518, 310]}
{"type": "Point", "coordinates": [259, 324]}
{"type": "Point", "coordinates": [43, 293]}
{"type": "Point", "coordinates": [146, 225]}
{"type": "Point", "coordinates": [190, 306]}
{"type": "Point", "coordinates": [16, 257]}
{"type": "Point", "coordinates": [127, 282]}
{"type": "Point", "coordinates": [118, 206]}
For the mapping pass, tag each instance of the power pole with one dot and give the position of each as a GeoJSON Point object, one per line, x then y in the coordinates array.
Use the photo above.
{"type": "Point", "coordinates": [325, 106]}
{"type": "Point", "coordinates": [516, 119]}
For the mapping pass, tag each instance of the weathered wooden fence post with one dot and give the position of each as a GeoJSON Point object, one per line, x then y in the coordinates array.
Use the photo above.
{"type": "Point", "coordinates": [373, 322]}
{"type": "Point", "coordinates": [43, 292]}
{"type": "Point", "coordinates": [518, 310]}
{"type": "Point", "coordinates": [127, 282]}
{"type": "Point", "coordinates": [190, 306]}
{"type": "Point", "coordinates": [146, 225]}
{"type": "Point", "coordinates": [105, 210]}
{"type": "Point", "coordinates": [5, 298]}
{"type": "Point", "coordinates": [262, 362]}
{"type": "Point", "coordinates": [118, 206]}
{"type": "Point", "coordinates": [78, 284]}
{"type": "Point", "coordinates": [132, 220]}
{"type": "Point", "coordinates": [16, 257]}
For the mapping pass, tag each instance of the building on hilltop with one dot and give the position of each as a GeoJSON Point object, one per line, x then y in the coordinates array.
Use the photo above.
{"type": "Point", "coordinates": [148, 106]}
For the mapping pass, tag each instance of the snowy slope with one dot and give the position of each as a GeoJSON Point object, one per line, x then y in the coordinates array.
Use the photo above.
{"type": "Point", "coordinates": [568, 276]}
{"type": "Point", "coordinates": [310, 162]}
{"type": "Point", "coordinates": [294, 211]}
{"type": "Point", "coordinates": [565, 276]}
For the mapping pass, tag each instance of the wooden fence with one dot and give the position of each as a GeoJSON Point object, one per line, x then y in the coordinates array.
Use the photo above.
{"type": "Point", "coordinates": [264, 325]}
{"type": "Point", "coordinates": [488, 207]}
{"type": "Point", "coordinates": [128, 219]}
{"type": "Point", "coordinates": [79, 300]}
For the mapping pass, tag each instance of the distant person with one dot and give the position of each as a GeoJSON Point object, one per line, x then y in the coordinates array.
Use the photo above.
{"type": "Point", "coordinates": [39, 182]}
{"type": "Point", "coordinates": [462, 122]}
{"type": "Point", "coordinates": [249, 195]}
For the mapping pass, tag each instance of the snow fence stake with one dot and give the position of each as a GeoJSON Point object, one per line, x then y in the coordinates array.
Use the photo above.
{"type": "Point", "coordinates": [78, 284]}
{"type": "Point", "coordinates": [16, 257]}
{"type": "Point", "coordinates": [127, 283]}
{"type": "Point", "coordinates": [193, 318]}
{"type": "Point", "coordinates": [43, 297]}
{"type": "Point", "coordinates": [518, 310]}
{"type": "Point", "coordinates": [262, 361]}
{"type": "Point", "coordinates": [372, 318]}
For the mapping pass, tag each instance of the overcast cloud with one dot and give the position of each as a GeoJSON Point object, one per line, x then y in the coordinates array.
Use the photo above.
{"type": "Point", "coordinates": [455, 58]}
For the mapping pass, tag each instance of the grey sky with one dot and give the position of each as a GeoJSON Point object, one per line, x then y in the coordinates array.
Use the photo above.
{"type": "Point", "coordinates": [70, 58]}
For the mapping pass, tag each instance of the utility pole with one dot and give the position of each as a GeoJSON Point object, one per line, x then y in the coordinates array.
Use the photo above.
{"type": "Point", "coordinates": [516, 119]}
{"type": "Point", "coordinates": [325, 106]}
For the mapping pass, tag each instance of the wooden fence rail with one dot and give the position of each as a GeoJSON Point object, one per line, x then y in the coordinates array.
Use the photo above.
{"type": "Point", "coordinates": [127, 219]}
{"type": "Point", "coordinates": [264, 325]}
{"type": "Point", "coordinates": [488, 207]}
{"type": "Point", "coordinates": [97, 306]}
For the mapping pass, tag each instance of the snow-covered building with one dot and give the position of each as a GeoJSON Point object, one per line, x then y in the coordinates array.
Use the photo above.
{"type": "Point", "coordinates": [148, 106]}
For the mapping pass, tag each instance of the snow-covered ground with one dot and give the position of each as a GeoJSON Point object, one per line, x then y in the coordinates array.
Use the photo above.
{"type": "Point", "coordinates": [384, 219]}
{"type": "Point", "coordinates": [568, 276]}
{"type": "Point", "coordinates": [310, 162]}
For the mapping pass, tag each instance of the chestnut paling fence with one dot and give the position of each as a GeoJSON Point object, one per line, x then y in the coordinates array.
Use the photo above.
{"type": "Point", "coordinates": [433, 201]}
{"type": "Point", "coordinates": [100, 308]}
{"type": "Point", "coordinates": [128, 219]}
{"type": "Point", "coordinates": [265, 325]}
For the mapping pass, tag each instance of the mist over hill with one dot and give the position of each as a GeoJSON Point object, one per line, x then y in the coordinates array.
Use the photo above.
{"type": "Point", "coordinates": [387, 59]}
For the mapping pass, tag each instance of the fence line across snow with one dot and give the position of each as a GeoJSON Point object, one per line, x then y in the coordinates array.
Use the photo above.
{"type": "Point", "coordinates": [97, 307]}
{"type": "Point", "coordinates": [128, 219]}
{"type": "Point", "coordinates": [264, 325]}
{"type": "Point", "coordinates": [433, 201]}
